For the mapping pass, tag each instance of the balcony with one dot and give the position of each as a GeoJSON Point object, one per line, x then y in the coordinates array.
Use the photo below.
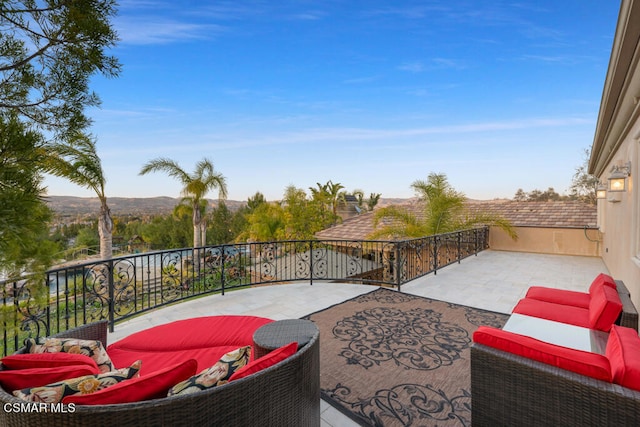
{"type": "Point", "coordinates": [302, 278]}
{"type": "Point", "coordinates": [494, 280]}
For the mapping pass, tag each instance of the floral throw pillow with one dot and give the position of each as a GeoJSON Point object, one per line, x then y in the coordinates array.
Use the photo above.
{"type": "Point", "coordinates": [93, 349]}
{"type": "Point", "coordinates": [216, 375]}
{"type": "Point", "coordinates": [54, 393]}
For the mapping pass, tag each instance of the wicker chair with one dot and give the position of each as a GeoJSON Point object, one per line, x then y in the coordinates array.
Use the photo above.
{"type": "Point", "coordinates": [286, 394]}
{"type": "Point", "coordinates": [510, 390]}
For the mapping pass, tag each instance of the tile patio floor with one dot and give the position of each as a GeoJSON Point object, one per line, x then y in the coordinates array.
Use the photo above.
{"type": "Point", "coordinates": [493, 280]}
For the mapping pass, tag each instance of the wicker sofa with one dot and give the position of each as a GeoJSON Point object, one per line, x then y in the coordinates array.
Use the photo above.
{"type": "Point", "coordinates": [512, 386]}
{"type": "Point", "coordinates": [510, 390]}
{"type": "Point", "coordinates": [285, 394]}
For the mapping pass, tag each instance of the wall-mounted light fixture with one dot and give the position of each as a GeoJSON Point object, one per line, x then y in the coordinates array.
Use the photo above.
{"type": "Point", "coordinates": [618, 177]}
{"type": "Point", "coordinates": [601, 191]}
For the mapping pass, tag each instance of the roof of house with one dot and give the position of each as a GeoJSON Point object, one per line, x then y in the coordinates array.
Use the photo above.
{"type": "Point", "coordinates": [554, 214]}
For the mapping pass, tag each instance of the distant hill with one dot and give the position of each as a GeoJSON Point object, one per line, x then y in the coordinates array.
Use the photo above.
{"type": "Point", "coordinates": [67, 206]}
{"type": "Point", "coordinates": [74, 207]}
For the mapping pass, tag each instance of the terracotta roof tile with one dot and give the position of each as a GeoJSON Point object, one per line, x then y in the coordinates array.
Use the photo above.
{"type": "Point", "coordinates": [559, 214]}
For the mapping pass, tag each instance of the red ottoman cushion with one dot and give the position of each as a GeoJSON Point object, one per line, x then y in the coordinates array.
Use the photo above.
{"type": "Point", "coordinates": [204, 339]}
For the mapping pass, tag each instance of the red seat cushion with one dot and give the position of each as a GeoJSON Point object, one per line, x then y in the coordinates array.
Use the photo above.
{"type": "Point", "coordinates": [46, 360]}
{"type": "Point", "coordinates": [559, 296]}
{"type": "Point", "coordinates": [18, 379]}
{"type": "Point", "coordinates": [623, 352]}
{"type": "Point", "coordinates": [152, 386]}
{"type": "Point", "coordinates": [266, 361]}
{"type": "Point", "coordinates": [581, 362]}
{"type": "Point", "coordinates": [205, 339]}
{"type": "Point", "coordinates": [604, 308]}
{"type": "Point", "coordinates": [557, 312]}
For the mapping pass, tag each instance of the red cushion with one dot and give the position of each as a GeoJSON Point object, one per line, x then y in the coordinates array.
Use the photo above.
{"type": "Point", "coordinates": [623, 352]}
{"type": "Point", "coordinates": [559, 296]}
{"type": "Point", "coordinates": [196, 332]}
{"type": "Point", "coordinates": [603, 279]}
{"type": "Point", "coordinates": [557, 312]}
{"type": "Point", "coordinates": [604, 308]}
{"type": "Point", "coordinates": [582, 362]}
{"type": "Point", "coordinates": [205, 339]}
{"type": "Point", "coordinates": [151, 386]}
{"type": "Point", "coordinates": [18, 379]}
{"type": "Point", "coordinates": [46, 360]}
{"type": "Point", "coordinates": [265, 361]}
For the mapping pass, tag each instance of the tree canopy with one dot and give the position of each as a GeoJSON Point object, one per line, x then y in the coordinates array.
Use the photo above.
{"type": "Point", "coordinates": [24, 216]}
{"type": "Point", "coordinates": [49, 49]}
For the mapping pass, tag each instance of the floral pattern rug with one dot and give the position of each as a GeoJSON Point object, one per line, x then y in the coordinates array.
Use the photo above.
{"type": "Point", "coordinates": [393, 359]}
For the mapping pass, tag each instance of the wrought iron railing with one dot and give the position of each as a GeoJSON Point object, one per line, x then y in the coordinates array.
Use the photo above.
{"type": "Point", "coordinates": [122, 287]}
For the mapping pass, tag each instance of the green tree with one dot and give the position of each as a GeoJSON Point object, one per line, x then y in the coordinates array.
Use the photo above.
{"type": "Point", "coordinates": [303, 217]}
{"type": "Point", "coordinates": [167, 231]}
{"type": "Point", "coordinates": [78, 162]}
{"type": "Point", "coordinates": [326, 198]}
{"type": "Point", "coordinates": [195, 188]}
{"type": "Point", "coordinates": [87, 238]}
{"type": "Point", "coordinates": [49, 50]}
{"type": "Point", "coordinates": [520, 196]}
{"type": "Point", "coordinates": [444, 211]}
{"type": "Point", "coordinates": [24, 217]}
{"type": "Point", "coordinates": [584, 185]}
{"type": "Point", "coordinates": [220, 231]}
{"type": "Point", "coordinates": [255, 201]}
{"type": "Point", "coordinates": [266, 223]}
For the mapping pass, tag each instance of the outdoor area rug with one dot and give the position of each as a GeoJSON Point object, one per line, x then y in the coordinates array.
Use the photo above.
{"type": "Point", "coordinates": [393, 359]}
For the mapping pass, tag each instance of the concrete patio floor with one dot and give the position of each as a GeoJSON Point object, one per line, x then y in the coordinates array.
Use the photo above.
{"type": "Point", "coordinates": [492, 280]}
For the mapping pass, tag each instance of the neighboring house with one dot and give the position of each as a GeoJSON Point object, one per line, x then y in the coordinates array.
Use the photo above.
{"type": "Point", "coordinates": [560, 227]}
{"type": "Point", "coordinates": [348, 207]}
{"type": "Point", "coordinates": [616, 152]}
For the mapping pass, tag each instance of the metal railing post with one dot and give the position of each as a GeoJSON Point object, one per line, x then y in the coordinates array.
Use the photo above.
{"type": "Point", "coordinates": [222, 258]}
{"type": "Point", "coordinates": [112, 302]}
{"type": "Point", "coordinates": [435, 255]}
{"type": "Point", "coordinates": [311, 262]}
{"type": "Point", "coordinates": [398, 266]}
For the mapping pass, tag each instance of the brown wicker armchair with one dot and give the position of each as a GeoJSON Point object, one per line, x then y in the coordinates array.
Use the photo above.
{"type": "Point", "coordinates": [510, 390]}
{"type": "Point", "coordinates": [286, 394]}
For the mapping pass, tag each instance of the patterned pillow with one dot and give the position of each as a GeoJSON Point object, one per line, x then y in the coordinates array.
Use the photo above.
{"type": "Point", "coordinates": [217, 374]}
{"type": "Point", "coordinates": [93, 349]}
{"type": "Point", "coordinates": [53, 393]}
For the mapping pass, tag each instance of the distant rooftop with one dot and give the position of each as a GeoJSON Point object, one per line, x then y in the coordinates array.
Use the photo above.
{"type": "Point", "coordinates": [556, 214]}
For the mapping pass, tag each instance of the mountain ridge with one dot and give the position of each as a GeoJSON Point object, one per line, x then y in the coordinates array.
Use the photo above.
{"type": "Point", "coordinates": [72, 206]}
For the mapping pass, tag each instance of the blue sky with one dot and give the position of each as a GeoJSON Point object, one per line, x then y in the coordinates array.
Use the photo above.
{"type": "Point", "coordinates": [498, 95]}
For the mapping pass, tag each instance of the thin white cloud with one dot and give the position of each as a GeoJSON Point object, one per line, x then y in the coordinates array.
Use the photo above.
{"type": "Point", "coordinates": [413, 67]}
{"type": "Point", "coordinates": [150, 30]}
{"type": "Point", "coordinates": [432, 64]}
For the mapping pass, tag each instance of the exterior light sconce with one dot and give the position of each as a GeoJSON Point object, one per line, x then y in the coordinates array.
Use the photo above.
{"type": "Point", "coordinates": [618, 178]}
{"type": "Point", "coordinates": [601, 191]}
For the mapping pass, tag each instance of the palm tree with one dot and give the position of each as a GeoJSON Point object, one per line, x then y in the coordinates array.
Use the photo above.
{"type": "Point", "coordinates": [444, 211]}
{"type": "Point", "coordinates": [78, 162]}
{"type": "Point", "coordinates": [330, 195]}
{"type": "Point", "coordinates": [195, 188]}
